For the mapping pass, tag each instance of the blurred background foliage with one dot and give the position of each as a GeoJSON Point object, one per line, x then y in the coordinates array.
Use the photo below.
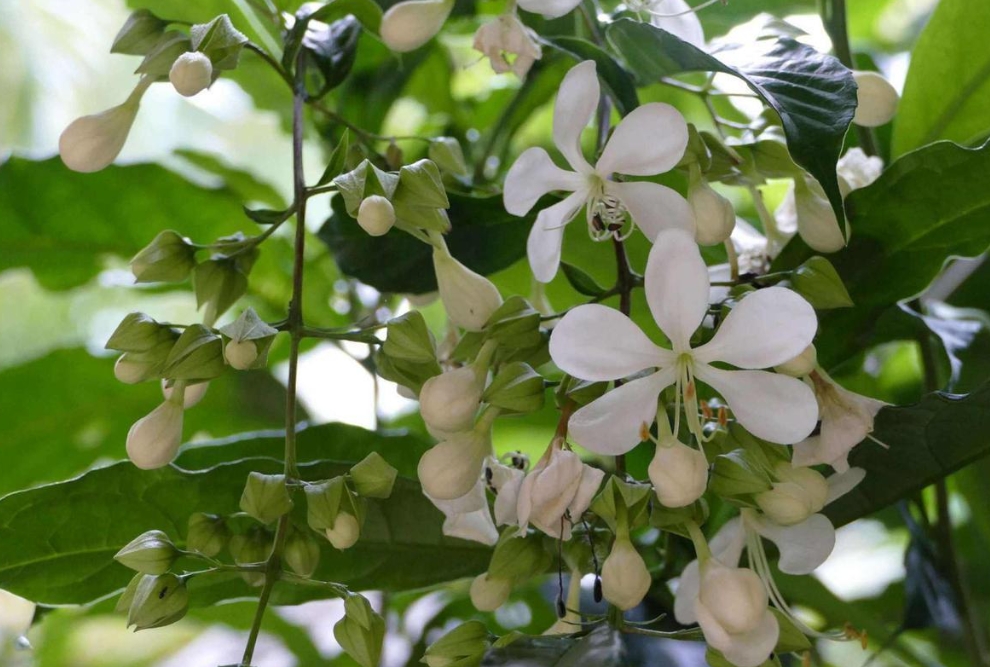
{"type": "Point", "coordinates": [190, 164]}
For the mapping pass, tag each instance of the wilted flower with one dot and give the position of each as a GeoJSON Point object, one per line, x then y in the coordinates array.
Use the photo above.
{"type": "Point", "coordinates": [506, 37]}
{"type": "Point", "coordinates": [191, 73]}
{"type": "Point", "coordinates": [557, 492]}
{"type": "Point", "coordinates": [91, 143]}
{"type": "Point", "coordinates": [468, 517]}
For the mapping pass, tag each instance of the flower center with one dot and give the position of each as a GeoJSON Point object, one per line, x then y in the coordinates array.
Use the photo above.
{"type": "Point", "coordinates": [687, 393]}
{"type": "Point", "coordinates": [607, 215]}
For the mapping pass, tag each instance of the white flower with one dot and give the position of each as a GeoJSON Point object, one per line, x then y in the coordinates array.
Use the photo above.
{"type": "Point", "coordinates": [876, 99]}
{"type": "Point", "coordinates": [507, 36]}
{"type": "Point", "coordinates": [625, 579]}
{"type": "Point", "coordinates": [191, 73]}
{"type": "Point", "coordinates": [557, 492]}
{"type": "Point", "coordinates": [155, 438]}
{"type": "Point", "coordinates": [91, 143]}
{"type": "Point", "coordinates": [674, 16]}
{"type": "Point", "coordinates": [650, 140]}
{"type": "Point", "coordinates": [847, 420]}
{"type": "Point", "coordinates": [469, 298]}
{"type": "Point", "coordinates": [468, 517]}
{"type": "Point", "coordinates": [345, 531]}
{"type": "Point", "coordinates": [489, 593]}
{"type": "Point", "coordinates": [856, 170]}
{"type": "Point", "coordinates": [376, 215]}
{"type": "Point", "coordinates": [408, 25]}
{"type": "Point", "coordinates": [506, 481]}
{"type": "Point", "coordinates": [549, 8]}
{"type": "Point", "coordinates": [679, 473]}
{"type": "Point", "coordinates": [768, 327]}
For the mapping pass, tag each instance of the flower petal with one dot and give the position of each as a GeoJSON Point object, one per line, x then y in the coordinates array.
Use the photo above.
{"type": "Point", "coordinates": [406, 26]}
{"type": "Point", "coordinates": [591, 479]}
{"type": "Point", "coordinates": [576, 102]}
{"type": "Point", "coordinates": [595, 342]}
{"type": "Point", "coordinates": [803, 546]}
{"type": "Point", "coordinates": [547, 235]}
{"type": "Point", "coordinates": [815, 450]}
{"type": "Point", "coordinates": [549, 8]}
{"type": "Point", "coordinates": [768, 327]}
{"type": "Point", "coordinates": [628, 153]}
{"type": "Point", "coordinates": [612, 424]}
{"type": "Point", "coordinates": [727, 545]}
{"type": "Point", "coordinates": [653, 207]}
{"type": "Point", "coordinates": [475, 526]}
{"type": "Point", "coordinates": [774, 407]}
{"type": "Point", "coordinates": [842, 483]}
{"type": "Point", "coordinates": [754, 647]}
{"type": "Point", "coordinates": [533, 175]}
{"type": "Point", "coordinates": [677, 286]}
{"type": "Point", "coordinates": [688, 590]}
{"type": "Point", "coordinates": [680, 21]}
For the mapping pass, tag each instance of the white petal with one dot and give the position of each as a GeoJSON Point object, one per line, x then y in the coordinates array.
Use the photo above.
{"type": "Point", "coordinates": [774, 407]}
{"type": "Point", "coordinates": [595, 342]}
{"type": "Point", "coordinates": [715, 635]}
{"type": "Point", "coordinates": [767, 328]}
{"type": "Point", "coordinates": [408, 25]}
{"type": "Point", "coordinates": [677, 286]}
{"type": "Point", "coordinates": [804, 546]}
{"type": "Point", "coordinates": [815, 450]}
{"type": "Point", "coordinates": [684, 23]}
{"type": "Point", "coordinates": [842, 483]}
{"type": "Point", "coordinates": [547, 236]}
{"type": "Point", "coordinates": [591, 479]}
{"type": "Point", "coordinates": [533, 175]}
{"type": "Point", "coordinates": [727, 545]}
{"type": "Point", "coordinates": [754, 647]}
{"type": "Point", "coordinates": [653, 207]}
{"type": "Point", "coordinates": [650, 140]}
{"type": "Point", "coordinates": [507, 499]}
{"type": "Point", "coordinates": [549, 8]}
{"type": "Point", "coordinates": [612, 424]}
{"type": "Point", "coordinates": [474, 526]}
{"type": "Point", "coordinates": [16, 614]}
{"type": "Point", "coordinates": [472, 501]}
{"type": "Point", "coordinates": [576, 102]}
{"type": "Point", "coordinates": [688, 589]}
{"type": "Point", "coordinates": [876, 100]}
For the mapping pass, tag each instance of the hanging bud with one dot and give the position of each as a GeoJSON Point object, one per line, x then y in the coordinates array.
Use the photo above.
{"type": "Point", "coordinates": [154, 439]}
{"type": "Point", "coordinates": [798, 493]}
{"type": "Point", "coordinates": [192, 395]}
{"type": "Point", "coordinates": [625, 579]}
{"type": "Point", "coordinates": [679, 473]}
{"type": "Point", "coordinates": [447, 153]}
{"type": "Point", "coordinates": [250, 339]}
{"type": "Point", "coordinates": [302, 553]}
{"type": "Point", "coordinates": [266, 497]}
{"type": "Point", "coordinates": [449, 401]}
{"type": "Point", "coordinates": [333, 509]}
{"type": "Point", "coordinates": [732, 611]}
{"type": "Point", "coordinates": [241, 355]}
{"type": "Point", "coordinates": [489, 593]}
{"type": "Point", "coordinates": [149, 553]}
{"type": "Point", "coordinates": [464, 646]}
{"type": "Point", "coordinates": [813, 216]}
{"type": "Point", "coordinates": [252, 549]}
{"type": "Point", "coordinates": [876, 99]}
{"type": "Point", "coordinates": [139, 34]}
{"type": "Point", "coordinates": [197, 355]}
{"type": "Point", "coordinates": [345, 532]}
{"type": "Point", "coordinates": [800, 365]}
{"type": "Point", "coordinates": [376, 215]}
{"type": "Point", "coordinates": [129, 370]}
{"type": "Point", "coordinates": [408, 25]}
{"type": "Point", "coordinates": [191, 73]}
{"type": "Point", "coordinates": [91, 143]}
{"type": "Point", "coordinates": [208, 534]}
{"type": "Point", "coordinates": [168, 258]}
{"type": "Point", "coordinates": [508, 44]}
{"type": "Point", "coordinates": [714, 218]}
{"type": "Point", "coordinates": [373, 477]}
{"type": "Point", "coordinates": [451, 468]}
{"type": "Point", "coordinates": [469, 298]}
{"type": "Point", "coordinates": [158, 601]}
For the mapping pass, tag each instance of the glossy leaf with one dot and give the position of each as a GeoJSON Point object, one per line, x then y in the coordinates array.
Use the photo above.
{"type": "Point", "coordinates": [621, 86]}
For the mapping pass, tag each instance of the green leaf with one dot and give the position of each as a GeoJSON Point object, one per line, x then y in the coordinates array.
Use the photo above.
{"type": "Point", "coordinates": [581, 281]}
{"type": "Point", "coordinates": [928, 206]}
{"type": "Point", "coordinates": [601, 647]}
{"type": "Point", "coordinates": [947, 90]}
{"type": "Point", "coordinates": [621, 86]}
{"type": "Point", "coordinates": [57, 542]}
{"type": "Point", "coordinates": [65, 235]}
{"type": "Point", "coordinates": [484, 237]}
{"type": "Point", "coordinates": [927, 441]}
{"type": "Point", "coordinates": [813, 93]}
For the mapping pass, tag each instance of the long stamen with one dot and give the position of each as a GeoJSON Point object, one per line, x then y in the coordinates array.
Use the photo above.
{"type": "Point", "coordinates": [690, 10]}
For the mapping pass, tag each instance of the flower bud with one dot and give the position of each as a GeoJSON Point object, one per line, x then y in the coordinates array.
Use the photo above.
{"type": "Point", "coordinates": [625, 579]}
{"type": "Point", "coordinates": [735, 597]}
{"type": "Point", "coordinates": [302, 553]}
{"type": "Point", "coordinates": [197, 355]}
{"type": "Point", "coordinates": [149, 553]}
{"type": "Point", "coordinates": [159, 600]}
{"type": "Point", "coordinates": [507, 36]}
{"type": "Point", "coordinates": [361, 631]}
{"type": "Point", "coordinates": [265, 497]}
{"type": "Point", "coordinates": [464, 646]}
{"type": "Point", "coordinates": [91, 143]}
{"type": "Point", "coordinates": [373, 477]}
{"type": "Point", "coordinates": [800, 365]}
{"type": "Point", "coordinates": [191, 73]}
{"type": "Point", "coordinates": [241, 354]}
{"type": "Point", "coordinates": [449, 401]}
{"type": "Point", "coordinates": [679, 473]}
{"type": "Point", "coordinates": [345, 531]}
{"type": "Point", "coordinates": [799, 493]}
{"type": "Point", "coordinates": [155, 438]}
{"type": "Point", "coordinates": [469, 298]}
{"type": "Point", "coordinates": [129, 370]}
{"type": "Point", "coordinates": [327, 500]}
{"type": "Point", "coordinates": [251, 549]}
{"type": "Point", "coordinates": [814, 217]}
{"type": "Point", "coordinates": [489, 593]}
{"type": "Point", "coordinates": [452, 467]}
{"type": "Point", "coordinates": [192, 394]}
{"type": "Point", "coordinates": [376, 215]}
{"type": "Point", "coordinates": [876, 99]}
{"type": "Point", "coordinates": [169, 258]}
{"type": "Point", "coordinates": [406, 26]}
{"type": "Point", "coordinates": [208, 534]}
{"type": "Point", "coordinates": [714, 217]}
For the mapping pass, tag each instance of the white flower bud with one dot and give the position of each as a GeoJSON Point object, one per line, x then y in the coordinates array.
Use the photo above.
{"type": "Point", "coordinates": [876, 99]}
{"type": "Point", "coordinates": [192, 395]}
{"type": "Point", "coordinates": [451, 468]}
{"type": "Point", "coordinates": [856, 170]}
{"type": "Point", "coordinates": [469, 298]}
{"type": "Point", "coordinates": [735, 598]}
{"type": "Point", "coordinates": [800, 493]}
{"type": "Point", "coordinates": [679, 473]}
{"type": "Point", "coordinates": [449, 401]}
{"type": "Point", "coordinates": [155, 438]}
{"type": "Point", "coordinates": [241, 354]}
{"type": "Point", "coordinates": [625, 579]}
{"type": "Point", "coordinates": [507, 36]}
{"type": "Point", "coordinates": [408, 25]}
{"type": "Point", "coordinates": [345, 531]}
{"type": "Point", "coordinates": [191, 73]}
{"type": "Point", "coordinates": [815, 219]}
{"type": "Point", "coordinates": [91, 143]}
{"type": "Point", "coordinates": [800, 365]}
{"type": "Point", "coordinates": [714, 218]}
{"type": "Point", "coordinates": [129, 371]}
{"type": "Point", "coordinates": [489, 593]}
{"type": "Point", "coordinates": [376, 215]}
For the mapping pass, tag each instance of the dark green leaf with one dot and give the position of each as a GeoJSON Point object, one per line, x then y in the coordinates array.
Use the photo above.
{"type": "Point", "coordinates": [601, 647]}
{"type": "Point", "coordinates": [331, 49]}
{"type": "Point", "coordinates": [620, 83]}
{"type": "Point", "coordinates": [581, 281]}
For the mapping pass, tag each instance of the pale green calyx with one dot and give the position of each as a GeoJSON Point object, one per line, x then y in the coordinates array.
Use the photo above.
{"type": "Point", "coordinates": [517, 388]}
{"type": "Point", "coordinates": [169, 258]}
{"type": "Point", "coordinates": [447, 154]}
{"type": "Point", "coordinates": [158, 600]}
{"type": "Point", "coordinates": [139, 33]}
{"type": "Point", "coordinates": [196, 356]}
{"type": "Point", "coordinates": [220, 41]}
{"type": "Point", "coordinates": [149, 553]}
{"type": "Point", "coordinates": [373, 477]}
{"type": "Point", "coordinates": [207, 534]}
{"type": "Point", "coordinates": [265, 497]}
{"type": "Point", "coordinates": [302, 553]}
{"type": "Point", "coordinates": [250, 339]}
{"type": "Point", "coordinates": [361, 631]}
{"type": "Point", "coordinates": [464, 646]}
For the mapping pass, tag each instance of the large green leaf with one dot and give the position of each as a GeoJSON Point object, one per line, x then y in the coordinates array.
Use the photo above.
{"type": "Point", "coordinates": [947, 91]}
{"type": "Point", "coordinates": [620, 84]}
{"type": "Point", "coordinates": [926, 441]}
{"type": "Point", "coordinates": [813, 93]}
{"type": "Point", "coordinates": [928, 206]}
{"type": "Point", "coordinates": [57, 541]}
{"type": "Point", "coordinates": [62, 224]}
{"type": "Point", "coordinates": [483, 236]}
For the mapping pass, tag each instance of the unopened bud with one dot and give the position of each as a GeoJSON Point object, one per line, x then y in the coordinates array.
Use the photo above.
{"type": "Point", "coordinates": [876, 99]}
{"type": "Point", "coordinates": [376, 215]}
{"type": "Point", "coordinates": [241, 354]}
{"type": "Point", "coordinates": [302, 553]}
{"type": "Point", "coordinates": [406, 26]}
{"type": "Point", "coordinates": [92, 143]}
{"type": "Point", "coordinates": [129, 370]}
{"type": "Point", "coordinates": [734, 596]}
{"type": "Point", "coordinates": [679, 473]}
{"type": "Point", "coordinates": [159, 600]}
{"type": "Point", "coordinates": [191, 73]}
{"type": "Point", "coordinates": [373, 477]}
{"type": "Point", "coordinates": [449, 401]}
{"type": "Point", "coordinates": [464, 646]}
{"type": "Point", "coordinates": [154, 439]}
{"type": "Point", "coordinates": [149, 553]}
{"type": "Point", "coordinates": [252, 549]}
{"type": "Point", "coordinates": [489, 593]}
{"type": "Point", "coordinates": [625, 579]}
{"type": "Point", "coordinates": [469, 298]}
{"type": "Point", "coordinates": [452, 467]}
{"type": "Point", "coordinates": [816, 221]}
{"type": "Point", "coordinates": [192, 394]}
{"type": "Point", "coordinates": [345, 531]}
{"type": "Point", "coordinates": [208, 534]}
{"type": "Point", "coordinates": [169, 258]}
{"type": "Point", "coordinates": [800, 365]}
{"type": "Point", "coordinates": [361, 632]}
{"type": "Point", "coordinates": [799, 493]}
{"type": "Point", "coordinates": [447, 153]}
{"type": "Point", "coordinates": [266, 497]}
{"type": "Point", "coordinates": [714, 217]}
